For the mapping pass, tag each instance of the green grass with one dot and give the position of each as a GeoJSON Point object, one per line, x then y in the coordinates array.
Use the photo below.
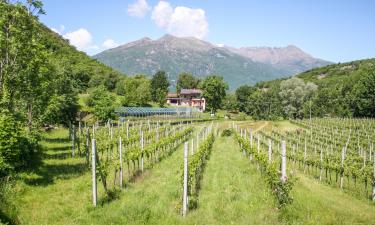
{"type": "Point", "coordinates": [232, 192]}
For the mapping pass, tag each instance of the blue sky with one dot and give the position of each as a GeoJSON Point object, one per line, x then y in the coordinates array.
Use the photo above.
{"type": "Point", "coordinates": [333, 30]}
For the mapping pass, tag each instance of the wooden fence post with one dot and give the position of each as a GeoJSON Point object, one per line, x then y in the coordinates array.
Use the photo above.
{"type": "Point", "coordinates": [373, 182]}
{"type": "Point", "coordinates": [185, 191]}
{"type": "Point", "coordinates": [88, 146]}
{"type": "Point", "coordinates": [121, 164]}
{"type": "Point", "coordinates": [192, 146]}
{"type": "Point", "coordinates": [269, 150]}
{"type": "Point", "coordinates": [142, 149]}
{"type": "Point", "coordinates": [342, 166]}
{"type": "Point", "coordinates": [73, 140]}
{"type": "Point", "coordinates": [283, 161]}
{"type": "Point", "coordinates": [94, 189]}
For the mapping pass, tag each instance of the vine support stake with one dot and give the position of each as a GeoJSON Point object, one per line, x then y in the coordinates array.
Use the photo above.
{"type": "Point", "coordinates": [373, 183]}
{"type": "Point", "coordinates": [121, 166]}
{"type": "Point", "coordinates": [283, 161]}
{"type": "Point", "coordinates": [185, 192]}
{"type": "Point", "coordinates": [269, 150]}
{"type": "Point", "coordinates": [94, 189]}
{"type": "Point", "coordinates": [192, 146]}
{"type": "Point", "coordinates": [73, 140]}
{"type": "Point", "coordinates": [142, 149]}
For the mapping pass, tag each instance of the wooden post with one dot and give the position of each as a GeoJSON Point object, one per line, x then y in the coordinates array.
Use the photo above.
{"type": "Point", "coordinates": [373, 182]}
{"type": "Point", "coordinates": [127, 130]}
{"type": "Point", "coordinates": [88, 146]}
{"type": "Point", "coordinates": [258, 144]}
{"type": "Point", "coordinates": [142, 149]}
{"type": "Point", "coordinates": [269, 150]}
{"type": "Point", "coordinates": [121, 166]}
{"type": "Point", "coordinates": [305, 156]}
{"type": "Point", "coordinates": [185, 191]}
{"type": "Point", "coordinates": [192, 146]}
{"type": "Point", "coordinates": [94, 190]}
{"type": "Point", "coordinates": [251, 137]}
{"type": "Point", "coordinates": [283, 161]}
{"type": "Point", "coordinates": [73, 140]}
{"type": "Point", "coordinates": [342, 165]}
{"type": "Point", "coordinates": [321, 164]}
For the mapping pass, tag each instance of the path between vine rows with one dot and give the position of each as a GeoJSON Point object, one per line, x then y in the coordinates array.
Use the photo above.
{"type": "Point", "coordinates": [232, 193]}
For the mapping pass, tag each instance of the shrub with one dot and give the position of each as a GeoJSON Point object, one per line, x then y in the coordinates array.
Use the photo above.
{"type": "Point", "coordinates": [16, 147]}
{"type": "Point", "coordinates": [226, 133]}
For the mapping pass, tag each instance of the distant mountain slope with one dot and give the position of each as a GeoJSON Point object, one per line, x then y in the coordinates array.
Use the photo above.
{"type": "Point", "coordinates": [289, 58]}
{"type": "Point", "coordinates": [332, 75]}
{"type": "Point", "coordinates": [175, 55]}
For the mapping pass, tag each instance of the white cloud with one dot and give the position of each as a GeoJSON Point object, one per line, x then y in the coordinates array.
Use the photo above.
{"type": "Point", "coordinates": [109, 43]}
{"type": "Point", "coordinates": [220, 45]}
{"type": "Point", "coordinates": [162, 14]}
{"type": "Point", "coordinates": [81, 39]}
{"type": "Point", "coordinates": [180, 21]}
{"type": "Point", "coordinates": [139, 8]}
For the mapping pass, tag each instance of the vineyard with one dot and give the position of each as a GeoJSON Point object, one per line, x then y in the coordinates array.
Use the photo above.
{"type": "Point", "coordinates": [192, 170]}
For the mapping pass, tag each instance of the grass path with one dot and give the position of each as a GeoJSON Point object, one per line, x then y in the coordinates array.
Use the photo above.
{"type": "Point", "coordinates": [316, 203]}
{"type": "Point", "coordinates": [232, 190]}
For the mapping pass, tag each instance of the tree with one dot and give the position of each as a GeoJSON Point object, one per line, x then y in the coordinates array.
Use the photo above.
{"type": "Point", "coordinates": [136, 91]}
{"type": "Point", "coordinates": [187, 81]}
{"type": "Point", "coordinates": [242, 94]}
{"type": "Point", "coordinates": [102, 103]}
{"type": "Point", "coordinates": [230, 102]}
{"type": "Point", "coordinates": [294, 92]}
{"type": "Point", "coordinates": [159, 84]}
{"type": "Point", "coordinates": [363, 95]}
{"type": "Point", "coordinates": [214, 91]}
{"type": "Point", "coordinates": [15, 147]}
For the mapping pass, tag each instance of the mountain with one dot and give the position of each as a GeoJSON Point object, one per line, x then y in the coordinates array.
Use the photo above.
{"type": "Point", "coordinates": [290, 58]}
{"type": "Point", "coordinates": [175, 55]}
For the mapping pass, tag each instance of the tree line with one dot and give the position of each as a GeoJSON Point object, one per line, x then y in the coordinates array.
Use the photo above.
{"type": "Point", "coordinates": [339, 90]}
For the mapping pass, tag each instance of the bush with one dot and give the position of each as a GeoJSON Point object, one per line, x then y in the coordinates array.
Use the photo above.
{"type": "Point", "coordinates": [226, 133]}
{"type": "Point", "coordinates": [16, 147]}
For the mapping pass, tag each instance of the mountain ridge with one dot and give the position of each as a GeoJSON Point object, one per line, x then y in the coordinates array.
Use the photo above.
{"type": "Point", "coordinates": [199, 57]}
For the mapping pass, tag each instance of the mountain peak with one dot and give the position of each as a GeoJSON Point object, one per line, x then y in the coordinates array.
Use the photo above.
{"type": "Point", "coordinates": [240, 66]}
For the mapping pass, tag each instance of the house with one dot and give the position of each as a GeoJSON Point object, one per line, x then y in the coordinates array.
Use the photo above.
{"type": "Point", "coordinates": [188, 98]}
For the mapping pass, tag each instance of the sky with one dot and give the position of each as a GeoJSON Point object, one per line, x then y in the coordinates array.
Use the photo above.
{"type": "Point", "coordinates": [334, 30]}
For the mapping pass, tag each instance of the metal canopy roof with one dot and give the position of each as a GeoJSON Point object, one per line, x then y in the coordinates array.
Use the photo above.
{"type": "Point", "coordinates": [148, 111]}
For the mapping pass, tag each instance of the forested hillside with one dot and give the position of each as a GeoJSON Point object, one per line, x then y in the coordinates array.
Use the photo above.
{"type": "Point", "coordinates": [344, 89]}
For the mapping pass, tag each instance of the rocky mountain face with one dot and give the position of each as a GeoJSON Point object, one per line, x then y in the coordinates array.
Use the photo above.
{"type": "Point", "coordinates": [175, 55]}
{"type": "Point", "coordinates": [289, 58]}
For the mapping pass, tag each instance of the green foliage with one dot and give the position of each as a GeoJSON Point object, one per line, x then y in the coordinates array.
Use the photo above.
{"type": "Point", "coordinates": [363, 95]}
{"type": "Point", "coordinates": [102, 103]}
{"type": "Point", "coordinates": [229, 102]}
{"type": "Point", "coordinates": [242, 94]}
{"type": "Point", "coordinates": [214, 91]}
{"type": "Point", "coordinates": [196, 166]}
{"type": "Point", "coordinates": [344, 90]}
{"type": "Point", "coordinates": [226, 132]}
{"type": "Point", "coordinates": [187, 81]}
{"type": "Point", "coordinates": [135, 90]}
{"type": "Point", "coordinates": [16, 147]}
{"type": "Point", "coordinates": [294, 92]}
{"type": "Point", "coordinates": [159, 85]}
{"type": "Point", "coordinates": [160, 96]}
{"type": "Point", "coordinates": [280, 189]}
